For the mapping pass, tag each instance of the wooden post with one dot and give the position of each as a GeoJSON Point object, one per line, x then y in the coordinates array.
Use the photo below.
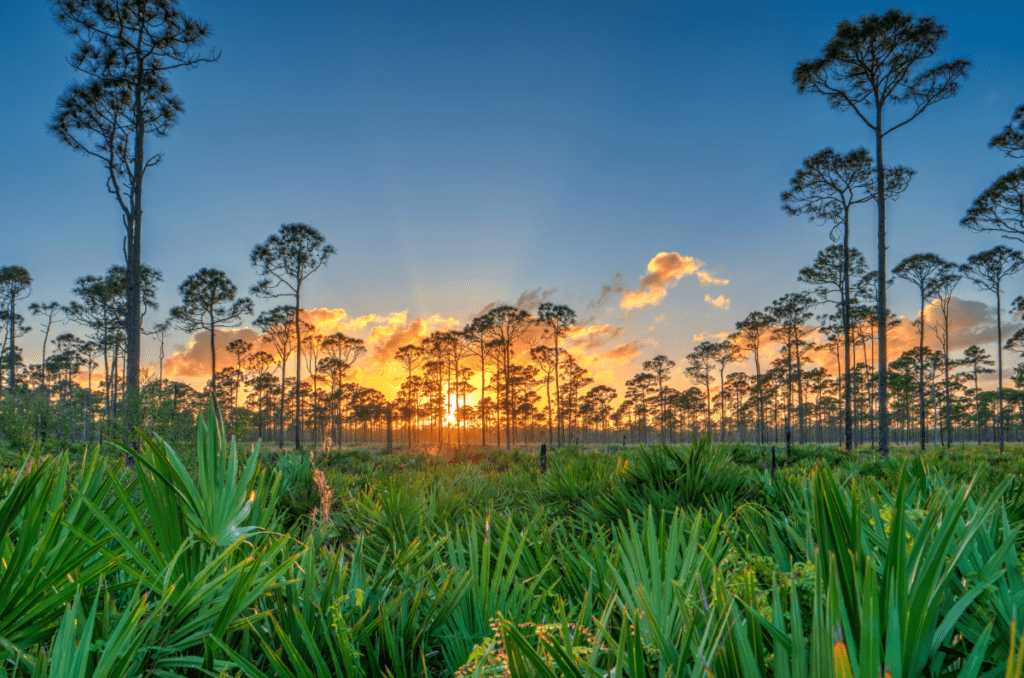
{"type": "Point", "coordinates": [543, 458]}
{"type": "Point", "coordinates": [388, 415]}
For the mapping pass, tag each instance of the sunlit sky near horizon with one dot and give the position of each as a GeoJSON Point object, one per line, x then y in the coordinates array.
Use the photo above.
{"type": "Point", "coordinates": [459, 154]}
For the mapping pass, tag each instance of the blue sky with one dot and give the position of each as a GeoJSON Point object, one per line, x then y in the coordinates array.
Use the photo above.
{"type": "Point", "coordinates": [461, 153]}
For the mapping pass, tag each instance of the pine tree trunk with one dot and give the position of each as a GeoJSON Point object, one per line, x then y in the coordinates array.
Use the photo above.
{"type": "Point", "coordinates": [133, 323]}
{"type": "Point", "coordinates": [883, 312]}
{"type": "Point", "coordinates": [848, 396]}
{"type": "Point", "coordinates": [999, 353]}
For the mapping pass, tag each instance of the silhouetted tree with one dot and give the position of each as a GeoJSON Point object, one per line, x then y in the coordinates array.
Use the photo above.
{"type": "Point", "coordinates": [597, 405]}
{"type": "Point", "coordinates": [544, 357]}
{"type": "Point", "coordinates": [866, 66]}
{"type": "Point", "coordinates": [987, 270]}
{"type": "Point", "coordinates": [341, 352]}
{"type": "Point", "coordinates": [830, 273]}
{"type": "Point", "coordinates": [1011, 139]}
{"type": "Point", "coordinates": [661, 367]}
{"type": "Point", "coordinates": [48, 310]}
{"type": "Point", "coordinates": [1001, 207]}
{"type": "Point", "coordinates": [288, 258]}
{"type": "Point", "coordinates": [239, 348]}
{"type": "Point", "coordinates": [97, 308]}
{"type": "Point", "coordinates": [125, 49]}
{"type": "Point", "coordinates": [208, 302]}
{"type": "Point", "coordinates": [260, 381]}
{"type": "Point", "coordinates": [160, 330]}
{"type": "Point", "coordinates": [944, 286]}
{"type": "Point", "coordinates": [701, 364]}
{"type": "Point", "coordinates": [15, 285]}
{"type": "Point", "coordinates": [750, 334]}
{"type": "Point", "coordinates": [726, 352]}
{"type": "Point", "coordinates": [557, 321]}
{"type": "Point", "coordinates": [507, 325]}
{"type": "Point", "coordinates": [101, 306]}
{"type": "Point", "coordinates": [279, 330]}
{"type": "Point", "coordinates": [980, 363]}
{"type": "Point", "coordinates": [825, 189]}
{"type": "Point", "coordinates": [478, 333]}
{"type": "Point", "coordinates": [791, 313]}
{"type": "Point", "coordinates": [409, 356]}
{"type": "Point", "coordinates": [926, 272]}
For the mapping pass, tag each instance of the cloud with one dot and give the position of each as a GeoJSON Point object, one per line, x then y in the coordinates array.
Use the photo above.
{"type": "Point", "coordinates": [622, 354]}
{"type": "Point", "coordinates": [721, 301]}
{"type": "Point", "coordinates": [656, 321]}
{"type": "Point", "coordinates": [970, 323]}
{"type": "Point", "coordinates": [610, 367]}
{"type": "Point", "coordinates": [592, 337]}
{"type": "Point", "coordinates": [527, 301]}
{"type": "Point", "coordinates": [386, 339]}
{"type": "Point", "coordinates": [192, 360]}
{"type": "Point", "coordinates": [663, 271]}
{"type": "Point", "coordinates": [531, 301]}
{"type": "Point", "coordinates": [719, 336]}
{"type": "Point", "coordinates": [331, 320]}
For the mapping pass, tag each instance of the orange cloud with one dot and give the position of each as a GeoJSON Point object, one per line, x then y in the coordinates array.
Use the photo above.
{"type": "Point", "coordinates": [611, 367]}
{"type": "Point", "coordinates": [623, 353]}
{"type": "Point", "coordinates": [388, 338]}
{"type": "Point", "coordinates": [190, 363]}
{"type": "Point", "coordinates": [591, 337]}
{"type": "Point", "coordinates": [721, 301]}
{"type": "Point", "coordinates": [331, 320]}
{"type": "Point", "coordinates": [663, 271]}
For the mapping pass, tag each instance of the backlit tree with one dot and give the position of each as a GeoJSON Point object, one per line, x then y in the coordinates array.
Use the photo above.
{"type": "Point", "coordinates": [208, 302]}
{"type": "Point", "coordinates": [926, 272]}
{"type": "Point", "coordinates": [867, 66]}
{"type": "Point", "coordinates": [125, 49]}
{"type": "Point", "coordinates": [987, 270]}
{"type": "Point", "coordinates": [285, 260]}
{"type": "Point", "coordinates": [15, 285]}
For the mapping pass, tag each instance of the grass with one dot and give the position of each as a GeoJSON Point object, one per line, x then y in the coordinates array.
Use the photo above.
{"type": "Point", "coordinates": [635, 561]}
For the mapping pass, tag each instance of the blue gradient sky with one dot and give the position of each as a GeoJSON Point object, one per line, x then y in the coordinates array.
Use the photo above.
{"type": "Point", "coordinates": [461, 153]}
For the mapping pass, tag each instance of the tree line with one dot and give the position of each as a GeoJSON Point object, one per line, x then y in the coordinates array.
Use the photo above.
{"type": "Point", "coordinates": [526, 385]}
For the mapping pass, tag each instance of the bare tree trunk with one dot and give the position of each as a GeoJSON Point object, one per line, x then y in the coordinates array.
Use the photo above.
{"type": "Point", "coordinates": [999, 353]}
{"type": "Point", "coordinates": [558, 396]}
{"type": "Point", "coordinates": [920, 384]}
{"type": "Point", "coordinates": [848, 395]}
{"type": "Point", "coordinates": [213, 359]}
{"type": "Point", "coordinates": [133, 323]}
{"type": "Point", "coordinates": [483, 394]}
{"type": "Point", "coordinates": [298, 368]}
{"type": "Point", "coordinates": [508, 398]}
{"type": "Point", "coordinates": [883, 311]}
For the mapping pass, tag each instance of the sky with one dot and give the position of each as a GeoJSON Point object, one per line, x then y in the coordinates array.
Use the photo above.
{"type": "Point", "coordinates": [625, 159]}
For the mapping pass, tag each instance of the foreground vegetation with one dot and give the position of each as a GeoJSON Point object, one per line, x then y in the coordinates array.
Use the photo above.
{"type": "Point", "coordinates": [666, 560]}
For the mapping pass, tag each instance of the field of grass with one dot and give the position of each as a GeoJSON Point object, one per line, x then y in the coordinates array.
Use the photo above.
{"type": "Point", "coordinates": [645, 561]}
